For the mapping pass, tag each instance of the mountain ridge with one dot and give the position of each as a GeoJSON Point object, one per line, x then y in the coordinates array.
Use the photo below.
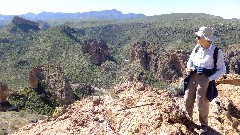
{"type": "Point", "coordinates": [104, 14]}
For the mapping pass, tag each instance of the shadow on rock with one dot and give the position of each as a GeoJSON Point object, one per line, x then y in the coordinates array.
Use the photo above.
{"type": "Point", "coordinates": [6, 106]}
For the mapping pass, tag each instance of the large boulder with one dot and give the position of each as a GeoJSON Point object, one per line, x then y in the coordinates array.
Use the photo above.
{"type": "Point", "coordinates": [4, 92]}
{"type": "Point", "coordinates": [51, 78]}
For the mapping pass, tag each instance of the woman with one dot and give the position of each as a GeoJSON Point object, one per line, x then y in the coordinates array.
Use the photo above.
{"type": "Point", "coordinates": [201, 60]}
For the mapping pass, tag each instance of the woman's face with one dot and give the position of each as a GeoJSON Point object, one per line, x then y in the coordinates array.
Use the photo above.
{"type": "Point", "coordinates": [201, 41]}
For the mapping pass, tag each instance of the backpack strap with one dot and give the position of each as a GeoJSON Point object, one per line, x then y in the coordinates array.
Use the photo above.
{"type": "Point", "coordinates": [215, 57]}
{"type": "Point", "coordinates": [196, 50]}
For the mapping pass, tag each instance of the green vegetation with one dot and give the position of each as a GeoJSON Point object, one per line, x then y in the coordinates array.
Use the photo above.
{"type": "Point", "coordinates": [37, 101]}
{"type": "Point", "coordinates": [61, 45]}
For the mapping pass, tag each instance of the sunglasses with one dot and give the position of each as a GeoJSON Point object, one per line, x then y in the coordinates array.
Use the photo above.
{"type": "Point", "coordinates": [197, 37]}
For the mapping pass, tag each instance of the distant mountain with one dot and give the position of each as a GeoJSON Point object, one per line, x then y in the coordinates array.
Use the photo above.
{"type": "Point", "coordinates": [105, 14]}
{"type": "Point", "coordinates": [182, 17]}
{"type": "Point", "coordinates": [4, 17]}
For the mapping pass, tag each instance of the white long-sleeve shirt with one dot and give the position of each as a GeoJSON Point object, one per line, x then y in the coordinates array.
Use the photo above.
{"type": "Point", "coordinates": [204, 58]}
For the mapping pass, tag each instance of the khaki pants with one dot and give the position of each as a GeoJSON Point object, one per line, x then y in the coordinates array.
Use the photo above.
{"type": "Point", "coordinates": [197, 89]}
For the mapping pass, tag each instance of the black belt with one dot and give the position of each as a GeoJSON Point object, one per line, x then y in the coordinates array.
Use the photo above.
{"type": "Point", "coordinates": [201, 70]}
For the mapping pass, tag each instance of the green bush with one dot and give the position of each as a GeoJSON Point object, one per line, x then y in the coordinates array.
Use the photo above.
{"type": "Point", "coordinates": [29, 99]}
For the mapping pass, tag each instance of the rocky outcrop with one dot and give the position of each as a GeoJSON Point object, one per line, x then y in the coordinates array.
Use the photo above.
{"type": "Point", "coordinates": [172, 65]}
{"type": "Point", "coordinates": [52, 78]}
{"type": "Point", "coordinates": [24, 24]}
{"type": "Point", "coordinates": [136, 108]}
{"type": "Point", "coordinates": [232, 79]}
{"type": "Point", "coordinates": [98, 51]}
{"type": "Point", "coordinates": [4, 92]}
{"type": "Point", "coordinates": [139, 53]}
{"type": "Point", "coordinates": [168, 66]}
{"type": "Point", "coordinates": [131, 108]}
{"type": "Point", "coordinates": [35, 76]}
{"type": "Point", "coordinates": [4, 95]}
{"type": "Point", "coordinates": [232, 58]}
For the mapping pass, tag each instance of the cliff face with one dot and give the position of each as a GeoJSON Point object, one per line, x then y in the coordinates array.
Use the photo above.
{"type": "Point", "coordinates": [232, 58]}
{"type": "Point", "coordinates": [173, 65]}
{"type": "Point", "coordinates": [168, 66]}
{"type": "Point", "coordinates": [139, 52]}
{"type": "Point", "coordinates": [98, 51]}
{"type": "Point", "coordinates": [52, 77]}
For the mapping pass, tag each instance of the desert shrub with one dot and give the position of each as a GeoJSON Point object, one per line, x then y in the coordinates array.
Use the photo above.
{"type": "Point", "coordinates": [34, 101]}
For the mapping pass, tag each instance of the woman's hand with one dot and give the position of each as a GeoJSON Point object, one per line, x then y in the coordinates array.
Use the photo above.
{"type": "Point", "coordinates": [188, 71]}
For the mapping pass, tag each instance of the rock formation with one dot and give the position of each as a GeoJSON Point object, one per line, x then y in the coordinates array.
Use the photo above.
{"type": "Point", "coordinates": [232, 79]}
{"type": "Point", "coordinates": [4, 92]}
{"type": "Point", "coordinates": [168, 66]}
{"type": "Point", "coordinates": [140, 54]}
{"type": "Point", "coordinates": [4, 95]}
{"type": "Point", "coordinates": [52, 78]}
{"type": "Point", "coordinates": [24, 24]}
{"type": "Point", "coordinates": [232, 58]}
{"type": "Point", "coordinates": [136, 108]}
{"type": "Point", "coordinates": [172, 65]}
{"type": "Point", "coordinates": [98, 51]}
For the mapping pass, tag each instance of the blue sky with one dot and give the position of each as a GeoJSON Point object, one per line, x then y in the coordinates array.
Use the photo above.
{"type": "Point", "coordinates": [224, 8]}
